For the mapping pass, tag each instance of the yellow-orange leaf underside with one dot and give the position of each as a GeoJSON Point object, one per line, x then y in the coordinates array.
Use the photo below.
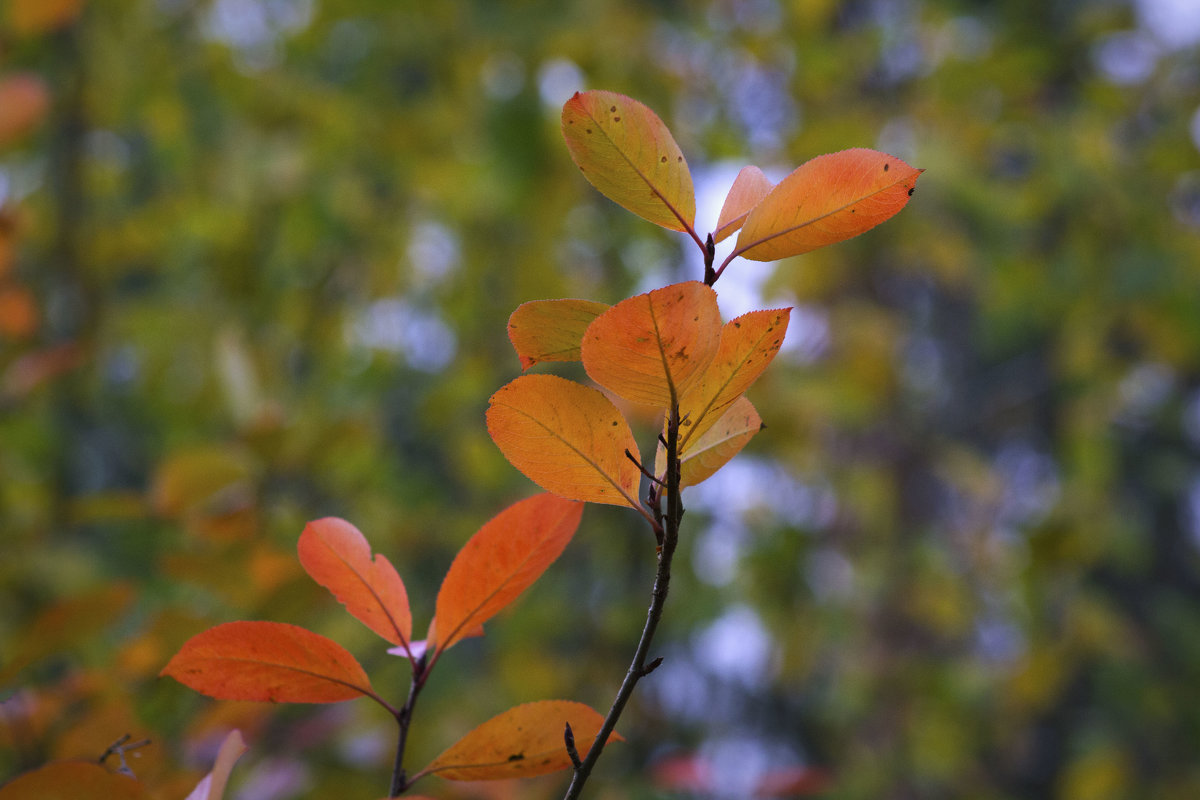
{"type": "Point", "coordinates": [826, 200]}
{"type": "Point", "coordinates": [551, 330]}
{"type": "Point", "coordinates": [268, 662]}
{"type": "Point", "coordinates": [522, 742]}
{"type": "Point", "coordinates": [649, 348]}
{"type": "Point", "coordinates": [627, 153]}
{"type": "Point", "coordinates": [337, 556]}
{"type": "Point", "coordinates": [748, 344]}
{"type": "Point", "coordinates": [713, 449]}
{"type": "Point", "coordinates": [749, 187]}
{"type": "Point", "coordinates": [500, 561]}
{"type": "Point", "coordinates": [71, 780]}
{"type": "Point", "coordinates": [567, 438]}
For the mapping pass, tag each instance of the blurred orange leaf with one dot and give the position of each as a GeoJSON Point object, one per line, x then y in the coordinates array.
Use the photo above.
{"type": "Point", "coordinates": [212, 786]}
{"type": "Point", "coordinates": [268, 662]}
{"type": "Point", "coordinates": [551, 330]}
{"type": "Point", "coordinates": [24, 101]}
{"type": "Point", "coordinates": [33, 369]}
{"type": "Point", "coordinates": [627, 153]}
{"type": "Point", "coordinates": [71, 780]}
{"type": "Point", "coordinates": [30, 17]}
{"type": "Point", "coordinates": [826, 200]}
{"type": "Point", "coordinates": [748, 344]}
{"type": "Point", "coordinates": [714, 448]}
{"type": "Point", "coordinates": [567, 438]}
{"type": "Point", "coordinates": [501, 561]}
{"type": "Point", "coordinates": [749, 187]}
{"type": "Point", "coordinates": [649, 348]}
{"type": "Point", "coordinates": [18, 312]}
{"type": "Point", "coordinates": [522, 742]}
{"type": "Point", "coordinates": [337, 556]}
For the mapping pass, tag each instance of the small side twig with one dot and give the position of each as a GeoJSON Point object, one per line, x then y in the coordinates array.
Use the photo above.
{"type": "Point", "coordinates": [569, 741]}
{"type": "Point", "coordinates": [119, 748]}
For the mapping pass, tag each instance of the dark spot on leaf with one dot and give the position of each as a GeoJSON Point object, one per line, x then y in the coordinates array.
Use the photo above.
{"type": "Point", "coordinates": [517, 757]}
{"type": "Point", "coordinates": [664, 159]}
{"type": "Point", "coordinates": [589, 130]}
{"type": "Point", "coordinates": [680, 159]}
{"type": "Point", "coordinates": [885, 167]}
{"type": "Point", "coordinates": [616, 119]}
{"type": "Point", "coordinates": [910, 191]}
{"type": "Point", "coordinates": [613, 108]}
{"type": "Point", "coordinates": [737, 324]}
{"type": "Point", "coordinates": [614, 423]}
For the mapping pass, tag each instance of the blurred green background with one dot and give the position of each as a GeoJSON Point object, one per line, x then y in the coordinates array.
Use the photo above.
{"type": "Point", "coordinates": [256, 260]}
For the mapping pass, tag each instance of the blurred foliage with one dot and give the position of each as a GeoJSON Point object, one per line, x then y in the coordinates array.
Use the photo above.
{"type": "Point", "coordinates": [256, 259]}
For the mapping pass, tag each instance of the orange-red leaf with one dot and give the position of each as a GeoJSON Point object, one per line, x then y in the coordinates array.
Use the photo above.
{"type": "Point", "coordinates": [30, 17]}
{"type": "Point", "coordinates": [825, 200]}
{"type": "Point", "coordinates": [71, 780]}
{"type": "Point", "coordinates": [749, 187]}
{"type": "Point", "coordinates": [24, 101]}
{"type": "Point", "coordinates": [551, 330]}
{"type": "Point", "coordinates": [268, 662]}
{"type": "Point", "coordinates": [500, 561]}
{"type": "Point", "coordinates": [748, 344]}
{"type": "Point", "coordinates": [522, 742]}
{"type": "Point", "coordinates": [627, 153]}
{"type": "Point", "coordinates": [649, 348]}
{"type": "Point", "coordinates": [707, 453]}
{"type": "Point", "coordinates": [212, 785]}
{"type": "Point", "coordinates": [567, 438]}
{"type": "Point", "coordinates": [338, 556]}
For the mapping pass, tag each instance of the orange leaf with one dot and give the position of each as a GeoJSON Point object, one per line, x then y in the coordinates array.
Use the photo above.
{"type": "Point", "coordinates": [71, 780]}
{"type": "Point", "coordinates": [748, 344]}
{"type": "Point", "coordinates": [649, 348]}
{"type": "Point", "coordinates": [29, 17]}
{"type": "Point", "coordinates": [24, 101]}
{"type": "Point", "coordinates": [503, 559]}
{"type": "Point", "coordinates": [268, 662]}
{"type": "Point", "coordinates": [567, 438]}
{"type": "Point", "coordinates": [551, 330]}
{"type": "Point", "coordinates": [337, 556]}
{"type": "Point", "coordinates": [714, 448]}
{"type": "Point", "coordinates": [522, 742]}
{"type": "Point", "coordinates": [19, 315]}
{"type": "Point", "coordinates": [749, 187]}
{"type": "Point", "coordinates": [826, 200]}
{"type": "Point", "coordinates": [212, 786]}
{"type": "Point", "coordinates": [627, 153]}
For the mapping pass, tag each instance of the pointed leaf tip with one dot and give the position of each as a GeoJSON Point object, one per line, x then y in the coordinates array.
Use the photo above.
{"type": "Point", "coordinates": [749, 187]}
{"type": "Point", "coordinates": [629, 155]}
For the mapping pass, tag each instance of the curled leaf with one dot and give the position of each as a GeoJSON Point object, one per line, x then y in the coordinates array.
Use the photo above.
{"type": "Point", "coordinates": [749, 187]}
{"type": "Point", "coordinates": [826, 200]}
{"type": "Point", "coordinates": [337, 556]}
{"type": "Point", "coordinates": [212, 785]}
{"type": "Point", "coordinates": [627, 153]}
{"type": "Point", "coordinates": [522, 742]}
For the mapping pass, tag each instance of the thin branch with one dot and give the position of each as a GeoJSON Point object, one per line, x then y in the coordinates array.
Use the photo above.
{"type": "Point", "coordinates": [569, 741]}
{"type": "Point", "coordinates": [638, 668]}
{"type": "Point", "coordinates": [400, 780]}
{"type": "Point", "coordinates": [642, 469]}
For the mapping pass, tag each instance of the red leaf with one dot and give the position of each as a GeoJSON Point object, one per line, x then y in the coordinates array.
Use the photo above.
{"type": "Point", "coordinates": [501, 561]}
{"type": "Point", "coordinates": [338, 557]}
{"type": "Point", "coordinates": [826, 200]}
{"type": "Point", "coordinates": [268, 662]}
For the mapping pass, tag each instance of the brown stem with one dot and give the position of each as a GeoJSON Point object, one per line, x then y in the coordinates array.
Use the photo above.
{"type": "Point", "coordinates": [400, 781]}
{"type": "Point", "coordinates": [638, 668]}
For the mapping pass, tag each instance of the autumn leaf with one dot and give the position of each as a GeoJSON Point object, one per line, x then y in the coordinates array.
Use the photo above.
{"type": "Point", "coordinates": [826, 200]}
{"type": "Point", "coordinates": [713, 449]}
{"type": "Point", "coordinates": [30, 17]}
{"type": "Point", "coordinates": [212, 785]}
{"type": "Point", "coordinates": [24, 101]}
{"type": "Point", "coordinates": [501, 561]}
{"type": "Point", "coordinates": [649, 348]}
{"type": "Point", "coordinates": [747, 345]}
{"type": "Point", "coordinates": [567, 438]}
{"type": "Point", "coordinates": [551, 330]}
{"type": "Point", "coordinates": [72, 780]}
{"type": "Point", "coordinates": [749, 187]}
{"type": "Point", "coordinates": [268, 662]}
{"type": "Point", "coordinates": [522, 742]}
{"type": "Point", "coordinates": [627, 153]}
{"type": "Point", "coordinates": [337, 556]}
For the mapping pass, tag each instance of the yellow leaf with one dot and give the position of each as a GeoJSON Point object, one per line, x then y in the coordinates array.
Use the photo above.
{"type": "Point", "coordinates": [709, 452]}
{"type": "Point", "coordinates": [551, 330]}
{"type": "Point", "coordinates": [627, 153]}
